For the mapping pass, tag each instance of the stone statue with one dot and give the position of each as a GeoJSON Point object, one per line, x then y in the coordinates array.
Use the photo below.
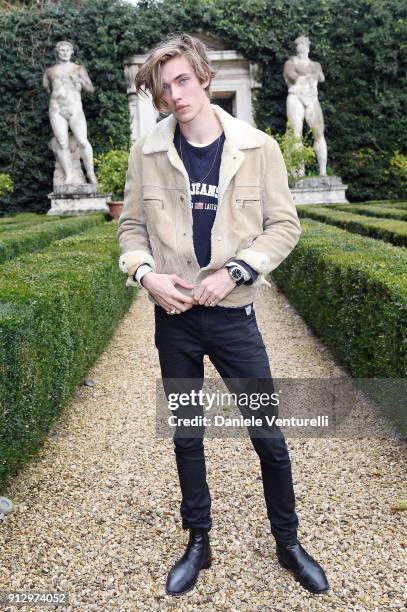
{"type": "Point", "coordinates": [78, 178]}
{"type": "Point", "coordinates": [130, 71]}
{"type": "Point", "coordinates": [64, 81]}
{"type": "Point", "coordinates": [302, 76]}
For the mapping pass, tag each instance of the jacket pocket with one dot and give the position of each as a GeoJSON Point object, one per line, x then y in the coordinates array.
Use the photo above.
{"type": "Point", "coordinates": [250, 212]}
{"type": "Point", "coordinates": [248, 201]}
{"type": "Point", "coordinates": [153, 202]}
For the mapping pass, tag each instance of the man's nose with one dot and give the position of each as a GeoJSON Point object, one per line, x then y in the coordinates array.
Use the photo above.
{"type": "Point", "coordinates": [175, 93]}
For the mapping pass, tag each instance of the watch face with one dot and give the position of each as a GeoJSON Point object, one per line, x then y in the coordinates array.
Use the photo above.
{"type": "Point", "coordinates": [236, 274]}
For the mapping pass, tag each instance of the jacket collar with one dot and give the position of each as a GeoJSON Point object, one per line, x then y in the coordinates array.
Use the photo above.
{"type": "Point", "coordinates": [238, 134]}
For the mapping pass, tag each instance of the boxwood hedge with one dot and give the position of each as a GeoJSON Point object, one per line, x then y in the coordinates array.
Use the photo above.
{"type": "Point", "coordinates": [387, 212]}
{"type": "Point", "coordinates": [352, 291]}
{"type": "Point", "coordinates": [29, 238]}
{"type": "Point", "coordinates": [391, 230]}
{"type": "Point", "coordinates": [58, 309]}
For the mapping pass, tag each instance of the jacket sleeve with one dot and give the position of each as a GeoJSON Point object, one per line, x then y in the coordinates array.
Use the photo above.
{"type": "Point", "coordinates": [281, 226]}
{"type": "Point", "coordinates": [132, 232]}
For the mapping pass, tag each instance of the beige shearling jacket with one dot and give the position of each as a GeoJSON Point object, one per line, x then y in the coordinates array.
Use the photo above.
{"type": "Point", "coordinates": [256, 218]}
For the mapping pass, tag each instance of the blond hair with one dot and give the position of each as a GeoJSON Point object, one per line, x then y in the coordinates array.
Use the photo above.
{"type": "Point", "coordinates": [149, 75]}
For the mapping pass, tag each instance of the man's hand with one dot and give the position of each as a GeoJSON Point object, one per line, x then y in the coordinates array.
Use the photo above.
{"type": "Point", "coordinates": [214, 288]}
{"type": "Point", "coordinates": [161, 287]}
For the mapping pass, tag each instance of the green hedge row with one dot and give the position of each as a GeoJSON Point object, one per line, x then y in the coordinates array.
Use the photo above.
{"type": "Point", "coordinates": [388, 230]}
{"type": "Point", "coordinates": [58, 309]}
{"type": "Point", "coordinates": [385, 203]}
{"type": "Point", "coordinates": [387, 212]}
{"type": "Point", "coordinates": [24, 224]}
{"type": "Point", "coordinates": [352, 291]}
{"type": "Point", "coordinates": [25, 239]}
{"type": "Point", "coordinates": [25, 217]}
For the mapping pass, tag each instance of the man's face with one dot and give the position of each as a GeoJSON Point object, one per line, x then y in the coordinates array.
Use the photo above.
{"type": "Point", "coordinates": [182, 91]}
{"type": "Point", "coordinates": [64, 52]}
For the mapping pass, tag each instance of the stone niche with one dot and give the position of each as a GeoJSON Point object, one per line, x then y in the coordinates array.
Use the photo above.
{"type": "Point", "coordinates": [232, 88]}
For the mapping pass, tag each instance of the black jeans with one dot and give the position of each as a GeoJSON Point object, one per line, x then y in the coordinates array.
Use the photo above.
{"type": "Point", "coordinates": [232, 340]}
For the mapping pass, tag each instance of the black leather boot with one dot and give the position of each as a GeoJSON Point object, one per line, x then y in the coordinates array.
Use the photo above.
{"type": "Point", "coordinates": [198, 555]}
{"type": "Point", "coordinates": [305, 569]}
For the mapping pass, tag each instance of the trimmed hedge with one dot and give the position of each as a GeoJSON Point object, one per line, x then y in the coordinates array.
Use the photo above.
{"type": "Point", "coordinates": [352, 291]}
{"type": "Point", "coordinates": [385, 203]}
{"type": "Point", "coordinates": [388, 230]}
{"type": "Point", "coordinates": [25, 224]}
{"type": "Point", "coordinates": [24, 217]}
{"type": "Point", "coordinates": [58, 309]}
{"type": "Point", "coordinates": [30, 239]}
{"type": "Point", "coordinates": [374, 211]}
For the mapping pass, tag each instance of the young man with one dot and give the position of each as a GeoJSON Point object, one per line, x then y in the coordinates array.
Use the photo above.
{"type": "Point", "coordinates": [207, 214]}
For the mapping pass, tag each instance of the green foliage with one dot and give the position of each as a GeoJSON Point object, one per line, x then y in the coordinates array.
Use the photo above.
{"type": "Point", "coordinates": [112, 168]}
{"type": "Point", "coordinates": [398, 164]}
{"type": "Point", "coordinates": [26, 220]}
{"type": "Point", "coordinates": [357, 43]}
{"type": "Point", "coordinates": [390, 230]}
{"type": "Point", "coordinates": [6, 184]}
{"type": "Point", "coordinates": [26, 239]}
{"type": "Point", "coordinates": [400, 204]}
{"type": "Point", "coordinates": [352, 290]}
{"type": "Point", "coordinates": [26, 217]}
{"type": "Point", "coordinates": [386, 212]}
{"type": "Point", "coordinates": [295, 151]}
{"type": "Point", "coordinates": [58, 310]}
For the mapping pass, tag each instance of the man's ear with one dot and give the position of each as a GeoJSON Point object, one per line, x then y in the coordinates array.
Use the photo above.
{"type": "Point", "coordinates": [206, 82]}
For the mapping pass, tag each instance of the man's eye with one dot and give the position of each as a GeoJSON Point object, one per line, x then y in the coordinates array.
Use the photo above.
{"type": "Point", "coordinates": [183, 80]}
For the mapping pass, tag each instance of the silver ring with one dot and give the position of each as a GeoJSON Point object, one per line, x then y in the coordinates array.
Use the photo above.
{"type": "Point", "coordinates": [172, 311]}
{"type": "Point", "coordinates": [211, 303]}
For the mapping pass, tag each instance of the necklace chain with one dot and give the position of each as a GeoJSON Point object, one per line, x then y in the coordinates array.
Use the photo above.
{"type": "Point", "coordinates": [210, 169]}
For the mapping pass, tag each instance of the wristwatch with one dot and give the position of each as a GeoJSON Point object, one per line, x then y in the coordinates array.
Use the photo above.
{"type": "Point", "coordinates": [236, 274]}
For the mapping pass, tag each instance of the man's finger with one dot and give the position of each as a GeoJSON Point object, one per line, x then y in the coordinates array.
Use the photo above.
{"type": "Point", "coordinates": [164, 303]}
{"type": "Point", "coordinates": [204, 297]}
{"type": "Point", "coordinates": [179, 305]}
{"type": "Point", "coordinates": [180, 281]}
{"type": "Point", "coordinates": [177, 295]}
{"type": "Point", "coordinates": [198, 292]}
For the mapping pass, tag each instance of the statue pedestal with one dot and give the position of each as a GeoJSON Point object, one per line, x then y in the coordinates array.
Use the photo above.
{"type": "Point", "coordinates": [77, 199]}
{"type": "Point", "coordinates": [319, 190]}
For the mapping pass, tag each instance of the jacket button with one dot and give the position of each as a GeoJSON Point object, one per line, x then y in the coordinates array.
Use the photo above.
{"type": "Point", "coordinates": [219, 237]}
{"type": "Point", "coordinates": [188, 261]}
{"type": "Point", "coordinates": [184, 234]}
{"type": "Point", "coordinates": [182, 198]}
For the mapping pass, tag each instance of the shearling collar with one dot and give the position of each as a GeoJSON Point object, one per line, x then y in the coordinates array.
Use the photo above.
{"type": "Point", "coordinates": [238, 134]}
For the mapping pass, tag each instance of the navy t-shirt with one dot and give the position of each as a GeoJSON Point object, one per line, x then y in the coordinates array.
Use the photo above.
{"type": "Point", "coordinates": [202, 165]}
{"type": "Point", "coordinates": [198, 162]}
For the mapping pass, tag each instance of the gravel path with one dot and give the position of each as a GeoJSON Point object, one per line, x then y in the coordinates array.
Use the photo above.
{"type": "Point", "coordinates": [97, 509]}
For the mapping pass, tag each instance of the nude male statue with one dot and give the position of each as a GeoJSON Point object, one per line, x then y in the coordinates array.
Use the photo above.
{"type": "Point", "coordinates": [302, 76]}
{"type": "Point", "coordinates": [64, 81]}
